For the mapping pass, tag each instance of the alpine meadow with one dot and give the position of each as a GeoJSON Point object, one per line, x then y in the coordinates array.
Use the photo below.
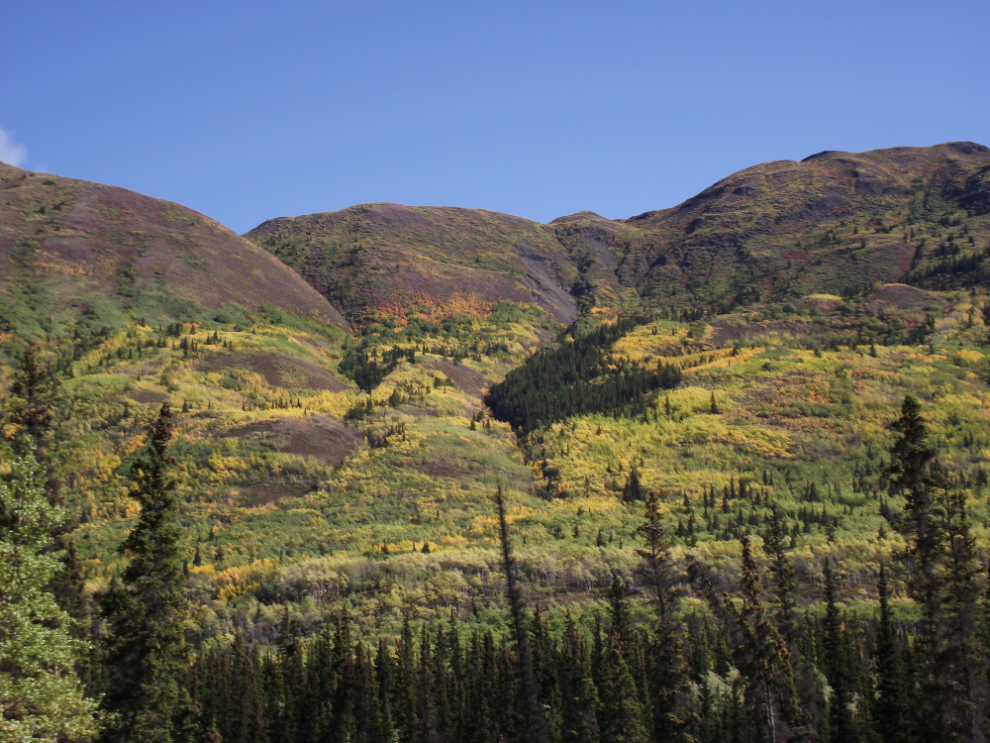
{"type": "Point", "coordinates": [718, 473]}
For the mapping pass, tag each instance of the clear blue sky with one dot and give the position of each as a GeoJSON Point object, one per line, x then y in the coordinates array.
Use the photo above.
{"type": "Point", "coordinates": [248, 110]}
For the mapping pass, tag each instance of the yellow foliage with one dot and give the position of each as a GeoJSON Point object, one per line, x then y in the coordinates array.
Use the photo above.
{"type": "Point", "coordinates": [968, 356]}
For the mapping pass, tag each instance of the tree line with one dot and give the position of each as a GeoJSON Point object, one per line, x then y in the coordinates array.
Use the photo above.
{"type": "Point", "coordinates": [577, 377]}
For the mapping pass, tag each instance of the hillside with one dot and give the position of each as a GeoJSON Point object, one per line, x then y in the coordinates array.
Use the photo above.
{"type": "Point", "coordinates": [72, 250]}
{"type": "Point", "coordinates": [394, 260]}
{"type": "Point", "coordinates": [733, 379]}
{"type": "Point", "coordinates": [835, 222]}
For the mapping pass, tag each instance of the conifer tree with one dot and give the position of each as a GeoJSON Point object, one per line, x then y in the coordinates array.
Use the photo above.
{"type": "Point", "coordinates": [579, 698]}
{"type": "Point", "coordinates": [960, 669]}
{"type": "Point", "coordinates": [668, 670]}
{"type": "Point", "coordinates": [836, 666]}
{"type": "Point", "coordinates": [620, 713]}
{"type": "Point", "coordinates": [913, 471]}
{"type": "Point", "coordinates": [535, 725]}
{"type": "Point", "coordinates": [889, 701]}
{"type": "Point", "coordinates": [145, 651]}
{"type": "Point", "coordinates": [41, 697]}
{"type": "Point", "coordinates": [776, 544]}
{"type": "Point", "coordinates": [30, 402]}
{"type": "Point", "coordinates": [633, 490]}
{"type": "Point", "coordinates": [910, 472]}
{"type": "Point", "coordinates": [762, 656]}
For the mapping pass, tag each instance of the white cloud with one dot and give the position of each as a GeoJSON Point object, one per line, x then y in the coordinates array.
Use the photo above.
{"type": "Point", "coordinates": [11, 152]}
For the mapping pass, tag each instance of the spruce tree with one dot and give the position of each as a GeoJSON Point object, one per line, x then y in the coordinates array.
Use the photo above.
{"type": "Point", "coordinates": [776, 544]}
{"type": "Point", "coordinates": [836, 666]}
{"type": "Point", "coordinates": [633, 490]}
{"type": "Point", "coordinates": [889, 701]}
{"type": "Point", "coordinates": [145, 649]}
{"type": "Point", "coordinates": [30, 404]}
{"type": "Point", "coordinates": [579, 697]}
{"type": "Point", "coordinates": [535, 725]}
{"type": "Point", "coordinates": [669, 693]}
{"type": "Point", "coordinates": [762, 656]}
{"type": "Point", "coordinates": [910, 473]}
{"type": "Point", "coordinates": [41, 698]}
{"type": "Point", "coordinates": [913, 471]}
{"type": "Point", "coordinates": [960, 669]}
{"type": "Point", "coordinates": [620, 713]}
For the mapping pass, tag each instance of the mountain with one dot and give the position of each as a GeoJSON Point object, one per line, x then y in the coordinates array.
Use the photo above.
{"type": "Point", "coordinates": [389, 259]}
{"type": "Point", "coordinates": [335, 485]}
{"type": "Point", "coordinates": [72, 248]}
{"type": "Point", "coordinates": [781, 230]}
{"type": "Point", "coordinates": [835, 222]}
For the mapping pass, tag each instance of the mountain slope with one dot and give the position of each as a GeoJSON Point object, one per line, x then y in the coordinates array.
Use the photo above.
{"type": "Point", "coordinates": [390, 259]}
{"type": "Point", "coordinates": [71, 247]}
{"type": "Point", "coordinates": [835, 222]}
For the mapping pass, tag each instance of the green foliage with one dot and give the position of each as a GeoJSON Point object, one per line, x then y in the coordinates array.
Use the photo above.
{"type": "Point", "coordinates": [145, 651]}
{"type": "Point", "coordinates": [576, 378]}
{"type": "Point", "coordinates": [41, 698]}
{"type": "Point", "coordinates": [368, 369]}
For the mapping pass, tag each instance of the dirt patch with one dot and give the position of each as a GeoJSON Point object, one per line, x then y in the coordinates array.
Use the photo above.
{"type": "Point", "coordinates": [309, 436]}
{"type": "Point", "coordinates": [262, 495]}
{"type": "Point", "coordinates": [277, 371]}
{"type": "Point", "coordinates": [905, 297]}
{"type": "Point", "coordinates": [726, 335]}
{"type": "Point", "coordinates": [466, 379]}
{"type": "Point", "coordinates": [147, 397]}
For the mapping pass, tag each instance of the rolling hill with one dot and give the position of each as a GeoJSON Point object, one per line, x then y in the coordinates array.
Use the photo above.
{"type": "Point", "coordinates": [835, 222]}
{"type": "Point", "coordinates": [72, 249]}
{"type": "Point", "coordinates": [393, 260]}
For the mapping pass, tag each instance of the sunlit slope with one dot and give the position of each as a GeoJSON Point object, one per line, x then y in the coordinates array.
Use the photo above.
{"type": "Point", "coordinates": [835, 222]}
{"type": "Point", "coordinates": [294, 488]}
{"type": "Point", "coordinates": [72, 249]}
{"type": "Point", "coordinates": [394, 260]}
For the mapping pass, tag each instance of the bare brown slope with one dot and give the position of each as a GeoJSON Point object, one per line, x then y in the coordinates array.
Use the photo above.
{"type": "Point", "coordinates": [390, 259]}
{"type": "Point", "coordinates": [79, 243]}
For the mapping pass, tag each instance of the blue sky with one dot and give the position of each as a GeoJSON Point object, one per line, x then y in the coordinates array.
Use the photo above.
{"type": "Point", "coordinates": [247, 111]}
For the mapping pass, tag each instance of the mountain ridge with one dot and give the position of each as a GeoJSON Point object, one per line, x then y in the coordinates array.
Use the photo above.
{"type": "Point", "coordinates": [747, 233]}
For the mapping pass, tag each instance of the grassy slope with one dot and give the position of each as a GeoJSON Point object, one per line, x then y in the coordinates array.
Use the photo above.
{"type": "Point", "coordinates": [72, 248]}
{"type": "Point", "coordinates": [285, 503]}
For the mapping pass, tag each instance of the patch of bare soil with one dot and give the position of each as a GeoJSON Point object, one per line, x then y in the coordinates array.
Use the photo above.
{"type": "Point", "coordinates": [262, 495]}
{"type": "Point", "coordinates": [550, 295]}
{"type": "Point", "coordinates": [146, 397]}
{"type": "Point", "coordinates": [903, 296]}
{"type": "Point", "coordinates": [443, 469]}
{"type": "Point", "coordinates": [466, 379]}
{"type": "Point", "coordinates": [309, 436]}
{"type": "Point", "coordinates": [277, 371]}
